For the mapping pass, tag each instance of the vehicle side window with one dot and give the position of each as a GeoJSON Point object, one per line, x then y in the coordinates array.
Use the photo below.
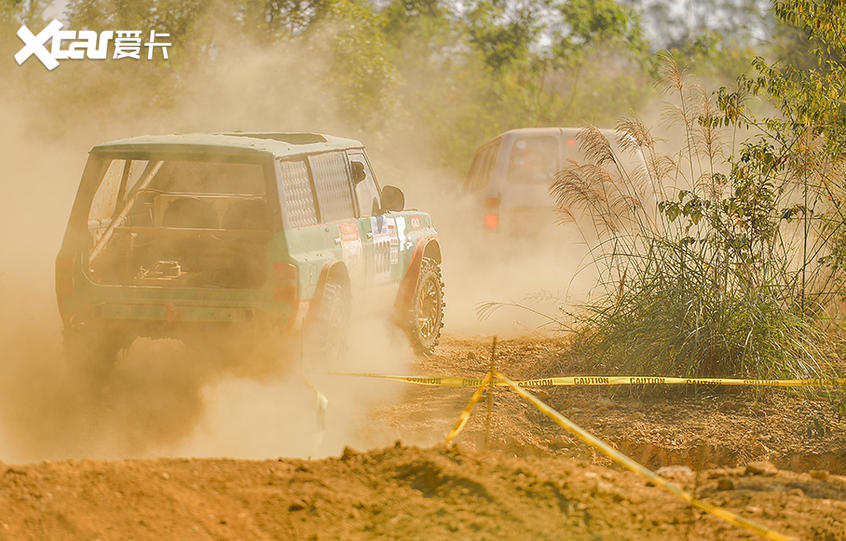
{"type": "Point", "coordinates": [490, 161]}
{"type": "Point", "coordinates": [482, 168]}
{"type": "Point", "coordinates": [475, 170]}
{"type": "Point", "coordinates": [295, 193]}
{"type": "Point", "coordinates": [332, 185]}
{"type": "Point", "coordinates": [366, 191]}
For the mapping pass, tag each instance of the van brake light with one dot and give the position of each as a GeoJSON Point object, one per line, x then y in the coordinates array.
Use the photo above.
{"type": "Point", "coordinates": [491, 212]}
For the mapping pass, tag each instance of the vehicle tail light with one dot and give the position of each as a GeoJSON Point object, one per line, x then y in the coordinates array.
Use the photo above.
{"type": "Point", "coordinates": [284, 282]}
{"type": "Point", "coordinates": [64, 278]}
{"type": "Point", "coordinates": [491, 214]}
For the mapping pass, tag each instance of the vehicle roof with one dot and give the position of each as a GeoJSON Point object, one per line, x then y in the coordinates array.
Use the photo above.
{"type": "Point", "coordinates": [277, 144]}
{"type": "Point", "coordinates": [544, 131]}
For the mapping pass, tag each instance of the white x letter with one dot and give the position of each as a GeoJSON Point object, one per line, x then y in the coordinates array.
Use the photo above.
{"type": "Point", "coordinates": [34, 45]}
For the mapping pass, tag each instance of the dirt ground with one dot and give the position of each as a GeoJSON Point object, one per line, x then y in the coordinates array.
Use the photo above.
{"type": "Point", "coordinates": [775, 457]}
{"type": "Point", "coordinates": [699, 427]}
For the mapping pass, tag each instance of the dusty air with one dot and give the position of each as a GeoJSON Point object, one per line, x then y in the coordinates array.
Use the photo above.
{"type": "Point", "coordinates": [422, 269]}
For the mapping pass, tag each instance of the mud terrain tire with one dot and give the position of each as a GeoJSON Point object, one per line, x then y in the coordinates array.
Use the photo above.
{"type": "Point", "coordinates": [427, 308]}
{"type": "Point", "coordinates": [326, 337]}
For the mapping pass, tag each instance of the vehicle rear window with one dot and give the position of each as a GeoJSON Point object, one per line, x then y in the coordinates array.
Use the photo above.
{"type": "Point", "coordinates": [210, 177]}
{"type": "Point", "coordinates": [295, 193]}
{"type": "Point", "coordinates": [141, 192]}
{"type": "Point", "coordinates": [534, 160]}
{"type": "Point", "coordinates": [333, 186]}
{"type": "Point", "coordinates": [178, 222]}
{"type": "Point", "coordinates": [118, 178]}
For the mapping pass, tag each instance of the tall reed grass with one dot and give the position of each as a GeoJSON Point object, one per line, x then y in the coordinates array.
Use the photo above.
{"type": "Point", "coordinates": [719, 258]}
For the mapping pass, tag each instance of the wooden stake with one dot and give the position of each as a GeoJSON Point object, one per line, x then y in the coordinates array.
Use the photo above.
{"type": "Point", "coordinates": [490, 396]}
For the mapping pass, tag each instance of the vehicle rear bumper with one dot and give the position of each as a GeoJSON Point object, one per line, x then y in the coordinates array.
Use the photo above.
{"type": "Point", "coordinates": [170, 312]}
{"type": "Point", "coordinates": [525, 221]}
{"type": "Point", "coordinates": [108, 306]}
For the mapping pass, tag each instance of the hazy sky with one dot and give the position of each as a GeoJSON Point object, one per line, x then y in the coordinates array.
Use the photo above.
{"type": "Point", "coordinates": [55, 10]}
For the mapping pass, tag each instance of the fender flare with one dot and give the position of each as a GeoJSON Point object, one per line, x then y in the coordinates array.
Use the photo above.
{"type": "Point", "coordinates": [427, 246]}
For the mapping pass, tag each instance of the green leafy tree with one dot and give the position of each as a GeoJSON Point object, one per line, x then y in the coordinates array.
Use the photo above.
{"type": "Point", "coordinates": [350, 33]}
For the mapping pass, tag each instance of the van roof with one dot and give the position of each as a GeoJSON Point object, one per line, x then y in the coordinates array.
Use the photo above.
{"type": "Point", "coordinates": [277, 144]}
{"type": "Point", "coordinates": [570, 131]}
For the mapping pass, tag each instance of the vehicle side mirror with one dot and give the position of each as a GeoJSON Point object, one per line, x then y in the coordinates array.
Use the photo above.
{"type": "Point", "coordinates": [358, 173]}
{"type": "Point", "coordinates": [392, 199]}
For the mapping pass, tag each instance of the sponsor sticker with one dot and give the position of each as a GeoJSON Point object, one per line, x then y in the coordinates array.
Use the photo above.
{"type": "Point", "coordinates": [349, 231]}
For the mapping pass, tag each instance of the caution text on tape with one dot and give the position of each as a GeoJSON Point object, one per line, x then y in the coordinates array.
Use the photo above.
{"type": "Point", "coordinates": [586, 381]}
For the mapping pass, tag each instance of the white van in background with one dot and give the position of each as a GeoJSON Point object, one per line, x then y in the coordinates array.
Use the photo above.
{"type": "Point", "coordinates": [512, 174]}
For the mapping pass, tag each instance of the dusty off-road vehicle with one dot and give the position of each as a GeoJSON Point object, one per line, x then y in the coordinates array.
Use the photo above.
{"type": "Point", "coordinates": [511, 174]}
{"type": "Point", "coordinates": [194, 235]}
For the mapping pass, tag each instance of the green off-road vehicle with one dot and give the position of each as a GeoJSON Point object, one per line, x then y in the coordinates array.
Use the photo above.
{"type": "Point", "coordinates": [194, 235]}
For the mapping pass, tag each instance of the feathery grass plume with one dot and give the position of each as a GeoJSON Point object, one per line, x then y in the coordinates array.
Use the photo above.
{"type": "Point", "coordinates": [595, 146]}
{"type": "Point", "coordinates": [672, 77]}
{"type": "Point", "coordinates": [633, 134]}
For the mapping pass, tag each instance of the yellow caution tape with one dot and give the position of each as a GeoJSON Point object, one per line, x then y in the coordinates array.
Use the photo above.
{"type": "Point", "coordinates": [636, 467]}
{"type": "Point", "coordinates": [438, 381]}
{"type": "Point", "coordinates": [586, 381]}
{"type": "Point", "coordinates": [465, 413]}
{"type": "Point", "coordinates": [662, 380]}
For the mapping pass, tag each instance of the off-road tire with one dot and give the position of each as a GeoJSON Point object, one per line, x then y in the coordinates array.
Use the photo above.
{"type": "Point", "coordinates": [325, 338]}
{"type": "Point", "coordinates": [426, 316]}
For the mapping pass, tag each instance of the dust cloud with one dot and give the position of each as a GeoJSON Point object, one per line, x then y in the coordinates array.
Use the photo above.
{"type": "Point", "coordinates": [162, 398]}
{"type": "Point", "coordinates": [538, 276]}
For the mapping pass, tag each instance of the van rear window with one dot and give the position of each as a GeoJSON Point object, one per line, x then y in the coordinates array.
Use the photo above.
{"type": "Point", "coordinates": [534, 160]}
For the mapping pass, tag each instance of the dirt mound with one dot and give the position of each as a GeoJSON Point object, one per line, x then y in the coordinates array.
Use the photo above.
{"type": "Point", "coordinates": [401, 492]}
